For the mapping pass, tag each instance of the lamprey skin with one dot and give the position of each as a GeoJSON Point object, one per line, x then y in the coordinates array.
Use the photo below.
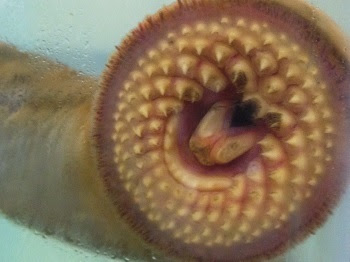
{"type": "Point", "coordinates": [219, 131]}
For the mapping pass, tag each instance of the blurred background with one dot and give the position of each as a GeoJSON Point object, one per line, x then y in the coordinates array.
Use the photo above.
{"type": "Point", "coordinates": [82, 34]}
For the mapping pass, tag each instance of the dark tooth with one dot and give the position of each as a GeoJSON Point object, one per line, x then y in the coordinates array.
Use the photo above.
{"type": "Point", "coordinates": [244, 114]}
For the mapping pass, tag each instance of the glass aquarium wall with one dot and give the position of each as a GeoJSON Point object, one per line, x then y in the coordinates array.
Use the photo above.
{"type": "Point", "coordinates": [83, 34]}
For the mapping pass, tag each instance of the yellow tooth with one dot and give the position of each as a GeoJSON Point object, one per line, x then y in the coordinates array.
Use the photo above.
{"type": "Point", "coordinates": [150, 69]}
{"type": "Point", "coordinates": [309, 83]}
{"type": "Point", "coordinates": [280, 175]}
{"type": "Point", "coordinates": [329, 129]}
{"type": "Point", "coordinates": [255, 27]}
{"type": "Point", "coordinates": [273, 88]}
{"type": "Point", "coordinates": [217, 200]}
{"type": "Point", "coordinates": [269, 38]}
{"type": "Point", "coordinates": [319, 168]}
{"type": "Point", "coordinates": [222, 52]}
{"type": "Point", "coordinates": [197, 215]}
{"type": "Point", "coordinates": [163, 45]}
{"type": "Point", "coordinates": [285, 122]}
{"type": "Point", "coordinates": [181, 44]}
{"type": "Point", "coordinates": [233, 34]}
{"type": "Point", "coordinates": [122, 106]}
{"type": "Point", "coordinates": [124, 137]}
{"type": "Point", "coordinates": [282, 52]}
{"type": "Point", "coordinates": [166, 64]}
{"type": "Point", "coordinates": [155, 125]}
{"type": "Point", "coordinates": [119, 126]}
{"type": "Point", "coordinates": [233, 210]}
{"type": "Point", "coordinates": [310, 117]}
{"type": "Point", "coordinates": [326, 113]}
{"type": "Point", "coordinates": [214, 28]}
{"type": "Point", "coordinates": [316, 135]}
{"type": "Point", "coordinates": [207, 232]}
{"type": "Point", "coordinates": [257, 195]}
{"type": "Point", "coordinates": [200, 44]}
{"type": "Point", "coordinates": [299, 179]}
{"type": "Point", "coordinates": [226, 226]}
{"type": "Point", "coordinates": [182, 211]}
{"type": "Point", "coordinates": [213, 216]}
{"type": "Point", "coordinates": [265, 63]}
{"type": "Point", "coordinates": [241, 22]}
{"type": "Point", "coordinates": [312, 181]}
{"type": "Point", "coordinates": [278, 195]}
{"type": "Point", "coordinates": [162, 84]}
{"type": "Point", "coordinates": [187, 63]}
{"type": "Point", "coordinates": [138, 148]}
{"type": "Point", "coordinates": [319, 98]}
{"type": "Point", "coordinates": [130, 116]}
{"type": "Point", "coordinates": [257, 233]}
{"type": "Point", "coordinates": [188, 90]}
{"type": "Point", "coordinates": [138, 129]}
{"type": "Point", "coordinates": [225, 20]}
{"type": "Point", "coordinates": [244, 227]}
{"type": "Point", "coordinates": [147, 181]}
{"type": "Point", "coordinates": [128, 85]}
{"type": "Point", "coordinates": [137, 75]}
{"type": "Point", "coordinates": [141, 62]}
{"type": "Point", "coordinates": [298, 139]}
{"type": "Point", "coordinates": [294, 73]}
{"type": "Point", "coordinates": [238, 186]}
{"type": "Point", "coordinates": [153, 54]}
{"type": "Point", "coordinates": [273, 211]}
{"type": "Point", "coordinates": [300, 161]}
{"type": "Point", "coordinates": [211, 77]}
{"type": "Point", "coordinates": [186, 29]}
{"type": "Point", "coordinates": [146, 90]}
{"type": "Point", "coordinates": [250, 212]}
{"type": "Point", "coordinates": [242, 75]}
{"type": "Point", "coordinates": [167, 106]}
{"type": "Point", "coordinates": [201, 27]}
{"type": "Point", "coordinates": [249, 43]}
{"type": "Point", "coordinates": [145, 109]}
{"type": "Point", "coordinates": [297, 98]}
{"type": "Point", "coordinates": [271, 149]}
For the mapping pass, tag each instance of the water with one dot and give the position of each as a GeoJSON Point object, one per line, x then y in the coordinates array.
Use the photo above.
{"type": "Point", "coordinates": [82, 34]}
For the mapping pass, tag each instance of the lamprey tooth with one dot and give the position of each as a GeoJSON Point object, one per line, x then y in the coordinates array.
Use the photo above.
{"type": "Point", "coordinates": [259, 101]}
{"type": "Point", "coordinates": [265, 63]}
{"type": "Point", "coordinates": [293, 72]}
{"type": "Point", "coordinates": [187, 64]}
{"type": "Point", "coordinates": [188, 90]}
{"type": "Point", "coordinates": [200, 44]}
{"type": "Point", "coordinates": [273, 88]}
{"type": "Point", "coordinates": [221, 52]}
{"type": "Point", "coordinates": [280, 175]}
{"type": "Point", "coordinates": [272, 149]}
{"type": "Point", "coordinates": [296, 99]}
{"type": "Point", "coordinates": [280, 120]}
{"type": "Point", "coordinates": [166, 106]}
{"type": "Point", "coordinates": [211, 77]}
{"type": "Point", "coordinates": [241, 74]}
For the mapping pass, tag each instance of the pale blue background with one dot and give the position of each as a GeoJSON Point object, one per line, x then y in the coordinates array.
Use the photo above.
{"type": "Point", "coordinates": [83, 34]}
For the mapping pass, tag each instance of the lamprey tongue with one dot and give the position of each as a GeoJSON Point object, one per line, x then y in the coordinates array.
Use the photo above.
{"type": "Point", "coordinates": [223, 129]}
{"type": "Point", "coordinates": [213, 142]}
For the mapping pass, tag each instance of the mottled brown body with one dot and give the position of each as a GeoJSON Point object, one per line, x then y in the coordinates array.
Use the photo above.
{"type": "Point", "coordinates": [48, 173]}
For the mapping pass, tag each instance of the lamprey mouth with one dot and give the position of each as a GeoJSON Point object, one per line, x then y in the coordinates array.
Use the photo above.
{"type": "Point", "coordinates": [220, 128]}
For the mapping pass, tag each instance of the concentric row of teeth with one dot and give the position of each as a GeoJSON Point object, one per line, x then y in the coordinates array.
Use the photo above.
{"type": "Point", "coordinates": [209, 57]}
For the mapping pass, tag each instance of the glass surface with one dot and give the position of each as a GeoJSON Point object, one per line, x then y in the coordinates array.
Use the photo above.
{"type": "Point", "coordinates": [83, 34]}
